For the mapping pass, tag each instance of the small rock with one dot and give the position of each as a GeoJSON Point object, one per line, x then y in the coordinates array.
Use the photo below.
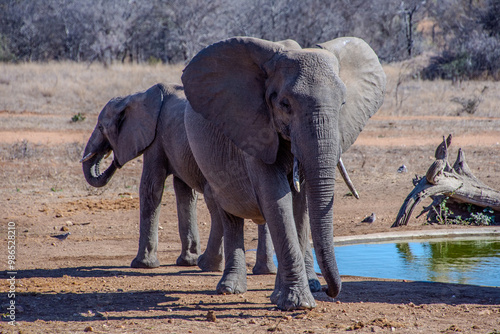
{"type": "Point", "coordinates": [251, 322]}
{"type": "Point", "coordinates": [100, 315]}
{"type": "Point", "coordinates": [211, 316]}
{"type": "Point", "coordinates": [64, 229]}
{"type": "Point", "coordinates": [69, 223]}
{"type": "Point", "coordinates": [88, 329]}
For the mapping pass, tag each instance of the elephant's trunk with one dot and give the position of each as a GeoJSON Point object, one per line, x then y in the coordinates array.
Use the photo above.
{"type": "Point", "coordinates": [319, 170]}
{"type": "Point", "coordinates": [92, 158]}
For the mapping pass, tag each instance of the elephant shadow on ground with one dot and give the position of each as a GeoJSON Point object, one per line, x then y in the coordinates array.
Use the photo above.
{"type": "Point", "coordinates": [418, 293]}
{"type": "Point", "coordinates": [101, 306]}
{"type": "Point", "coordinates": [106, 271]}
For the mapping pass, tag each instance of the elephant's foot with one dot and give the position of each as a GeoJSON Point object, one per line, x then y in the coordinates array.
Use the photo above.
{"type": "Point", "coordinates": [187, 259]}
{"type": "Point", "coordinates": [145, 263]}
{"type": "Point", "coordinates": [289, 298]}
{"type": "Point", "coordinates": [264, 268]}
{"type": "Point", "coordinates": [314, 284]}
{"type": "Point", "coordinates": [232, 283]}
{"type": "Point", "coordinates": [206, 262]}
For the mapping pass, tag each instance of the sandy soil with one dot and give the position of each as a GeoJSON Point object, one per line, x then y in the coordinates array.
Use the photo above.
{"type": "Point", "coordinates": [84, 283]}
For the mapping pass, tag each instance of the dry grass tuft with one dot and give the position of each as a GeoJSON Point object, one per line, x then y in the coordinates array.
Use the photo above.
{"type": "Point", "coordinates": [72, 88]}
{"type": "Point", "coordinates": [408, 95]}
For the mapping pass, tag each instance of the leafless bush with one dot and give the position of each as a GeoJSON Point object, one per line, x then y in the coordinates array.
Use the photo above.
{"type": "Point", "coordinates": [469, 105]}
{"type": "Point", "coordinates": [174, 30]}
{"type": "Point", "coordinates": [21, 150]}
{"type": "Point", "coordinates": [471, 41]}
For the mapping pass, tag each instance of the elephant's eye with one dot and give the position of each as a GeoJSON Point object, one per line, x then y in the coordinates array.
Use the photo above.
{"type": "Point", "coordinates": [101, 128]}
{"type": "Point", "coordinates": [285, 105]}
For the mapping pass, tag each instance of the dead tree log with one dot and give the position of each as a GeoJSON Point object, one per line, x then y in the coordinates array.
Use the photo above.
{"type": "Point", "coordinates": [452, 186]}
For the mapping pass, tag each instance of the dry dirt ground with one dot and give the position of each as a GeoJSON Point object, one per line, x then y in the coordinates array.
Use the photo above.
{"type": "Point", "coordinates": [84, 283]}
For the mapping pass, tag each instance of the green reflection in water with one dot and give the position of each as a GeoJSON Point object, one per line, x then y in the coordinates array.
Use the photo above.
{"type": "Point", "coordinates": [467, 261]}
{"type": "Point", "coordinates": [451, 260]}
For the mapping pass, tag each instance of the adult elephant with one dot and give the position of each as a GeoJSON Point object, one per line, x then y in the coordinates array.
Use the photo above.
{"type": "Point", "coordinates": [257, 108]}
{"type": "Point", "coordinates": [152, 123]}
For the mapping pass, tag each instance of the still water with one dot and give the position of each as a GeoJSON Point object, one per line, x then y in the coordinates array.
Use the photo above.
{"type": "Point", "coordinates": [452, 261]}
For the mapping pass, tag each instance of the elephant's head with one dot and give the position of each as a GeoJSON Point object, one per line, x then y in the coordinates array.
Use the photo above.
{"type": "Point", "coordinates": [126, 126]}
{"type": "Point", "coordinates": [319, 99]}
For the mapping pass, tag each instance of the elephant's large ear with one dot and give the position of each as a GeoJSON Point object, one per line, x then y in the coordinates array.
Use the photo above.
{"type": "Point", "coordinates": [364, 78]}
{"type": "Point", "coordinates": [133, 129]}
{"type": "Point", "coordinates": [225, 83]}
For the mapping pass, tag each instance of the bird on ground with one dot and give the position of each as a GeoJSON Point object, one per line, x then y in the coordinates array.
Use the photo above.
{"type": "Point", "coordinates": [402, 169]}
{"type": "Point", "coordinates": [61, 236]}
{"type": "Point", "coordinates": [370, 219]}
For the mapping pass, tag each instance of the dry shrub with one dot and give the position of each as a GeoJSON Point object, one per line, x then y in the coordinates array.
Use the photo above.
{"type": "Point", "coordinates": [408, 94]}
{"type": "Point", "coordinates": [20, 151]}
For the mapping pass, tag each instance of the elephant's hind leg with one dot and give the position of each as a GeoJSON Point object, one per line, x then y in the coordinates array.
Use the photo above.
{"type": "Point", "coordinates": [212, 258]}
{"type": "Point", "coordinates": [188, 223]}
{"type": "Point", "coordinates": [234, 279]}
{"type": "Point", "coordinates": [264, 263]}
{"type": "Point", "coordinates": [301, 217]}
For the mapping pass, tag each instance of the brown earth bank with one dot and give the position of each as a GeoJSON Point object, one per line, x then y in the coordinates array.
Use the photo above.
{"type": "Point", "coordinates": [85, 282]}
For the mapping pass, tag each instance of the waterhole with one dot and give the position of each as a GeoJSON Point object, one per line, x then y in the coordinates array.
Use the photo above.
{"type": "Point", "coordinates": [463, 261]}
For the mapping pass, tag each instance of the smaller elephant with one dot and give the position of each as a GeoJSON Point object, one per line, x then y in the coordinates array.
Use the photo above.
{"type": "Point", "coordinates": [152, 123]}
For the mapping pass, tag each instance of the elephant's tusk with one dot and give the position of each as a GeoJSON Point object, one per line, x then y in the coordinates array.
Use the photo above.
{"type": "Point", "coordinates": [87, 157]}
{"type": "Point", "coordinates": [296, 176]}
{"type": "Point", "coordinates": [346, 178]}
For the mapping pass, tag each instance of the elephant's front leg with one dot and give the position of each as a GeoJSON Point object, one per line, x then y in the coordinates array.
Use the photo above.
{"type": "Point", "coordinates": [188, 224]}
{"type": "Point", "coordinates": [234, 279]}
{"type": "Point", "coordinates": [150, 192]}
{"type": "Point", "coordinates": [292, 289]}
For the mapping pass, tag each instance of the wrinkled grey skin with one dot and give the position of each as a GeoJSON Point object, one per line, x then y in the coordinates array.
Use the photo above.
{"type": "Point", "coordinates": [254, 107]}
{"type": "Point", "coordinates": [152, 123]}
